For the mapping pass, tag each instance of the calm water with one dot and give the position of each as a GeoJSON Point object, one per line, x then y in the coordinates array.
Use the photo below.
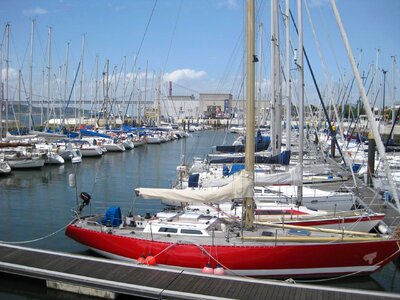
{"type": "Point", "coordinates": [38, 203]}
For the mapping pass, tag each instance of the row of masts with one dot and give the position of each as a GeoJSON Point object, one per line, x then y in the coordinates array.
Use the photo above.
{"type": "Point", "coordinates": [47, 97]}
{"type": "Point", "coordinates": [282, 91]}
{"type": "Point", "coordinates": [276, 95]}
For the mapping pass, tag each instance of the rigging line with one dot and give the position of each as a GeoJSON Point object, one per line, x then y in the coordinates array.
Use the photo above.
{"type": "Point", "coordinates": [41, 46]}
{"type": "Point", "coordinates": [318, 92]}
{"type": "Point", "coordinates": [323, 18]}
{"type": "Point", "coordinates": [16, 52]}
{"type": "Point", "coordinates": [326, 78]}
{"type": "Point", "coordinates": [173, 35]}
{"type": "Point", "coordinates": [144, 35]}
{"type": "Point", "coordinates": [37, 239]}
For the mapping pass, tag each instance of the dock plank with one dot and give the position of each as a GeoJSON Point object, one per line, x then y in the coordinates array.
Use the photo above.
{"type": "Point", "coordinates": [154, 282]}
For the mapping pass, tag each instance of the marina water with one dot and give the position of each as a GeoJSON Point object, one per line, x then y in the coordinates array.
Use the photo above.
{"type": "Point", "coordinates": [36, 205]}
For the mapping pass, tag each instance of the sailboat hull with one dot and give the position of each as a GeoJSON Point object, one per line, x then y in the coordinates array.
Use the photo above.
{"type": "Point", "coordinates": [272, 260]}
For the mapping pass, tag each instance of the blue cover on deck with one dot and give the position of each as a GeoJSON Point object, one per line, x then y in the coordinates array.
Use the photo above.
{"type": "Point", "coordinates": [236, 168]}
{"type": "Point", "coordinates": [261, 143]}
{"type": "Point", "coordinates": [112, 217]}
{"type": "Point", "coordinates": [93, 133]}
{"type": "Point", "coordinates": [194, 180]}
{"type": "Point", "coordinates": [282, 158]}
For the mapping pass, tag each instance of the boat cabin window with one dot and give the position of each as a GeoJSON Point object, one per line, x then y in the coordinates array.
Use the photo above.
{"type": "Point", "coordinates": [168, 229]}
{"type": "Point", "coordinates": [190, 231]}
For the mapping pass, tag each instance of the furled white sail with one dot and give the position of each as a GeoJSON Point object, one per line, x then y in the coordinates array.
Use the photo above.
{"type": "Point", "coordinates": [291, 177]}
{"type": "Point", "coordinates": [240, 187]}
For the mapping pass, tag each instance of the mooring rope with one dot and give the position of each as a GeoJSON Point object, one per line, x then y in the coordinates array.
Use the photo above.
{"type": "Point", "coordinates": [37, 239]}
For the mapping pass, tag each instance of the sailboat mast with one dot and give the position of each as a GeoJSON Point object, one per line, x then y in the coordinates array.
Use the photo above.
{"type": "Point", "coordinates": [261, 26]}
{"type": "Point", "coordinates": [371, 119]}
{"type": "Point", "coordinates": [81, 82]}
{"type": "Point", "coordinates": [30, 78]}
{"type": "Point", "coordinates": [288, 80]}
{"type": "Point", "coordinates": [393, 93]}
{"type": "Point", "coordinates": [273, 79]}
{"type": "Point", "coordinates": [250, 90]}
{"type": "Point", "coordinates": [7, 68]}
{"type": "Point", "coordinates": [124, 93]}
{"type": "Point", "coordinates": [106, 98]}
{"type": "Point", "coordinates": [96, 89]}
{"type": "Point", "coordinates": [1, 91]}
{"type": "Point", "coordinates": [301, 99]}
{"type": "Point", "coordinates": [48, 75]}
{"type": "Point", "coordinates": [19, 90]}
{"type": "Point", "coordinates": [276, 94]}
{"type": "Point", "coordinates": [65, 79]}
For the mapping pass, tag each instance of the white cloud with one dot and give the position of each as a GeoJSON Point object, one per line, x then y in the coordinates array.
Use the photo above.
{"type": "Point", "coordinates": [35, 11]}
{"type": "Point", "coordinates": [12, 74]}
{"type": "Point", "coordinates": [116, 8]}
{"type": "Point", "coordinates": [183, 75]}
{"type": "Point", "coordinates": [318, 3]}
{"type": "Point", "coordinates": [230, 4]}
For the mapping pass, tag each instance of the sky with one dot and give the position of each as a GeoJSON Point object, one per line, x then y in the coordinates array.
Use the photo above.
{"type": "Point", "coordinates": [196, 44]}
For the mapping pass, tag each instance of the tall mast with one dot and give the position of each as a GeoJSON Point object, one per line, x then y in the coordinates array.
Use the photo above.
{"type": "Point", "coordinates": [393, 93]}
{"type": "Point", "coordinates": [124, 92]}
{"type": "Point", "coordinates": [42, 98]}
{"type": "Point", "coordinates": [139, 107]}
{"type": "Point", "coordinates": [300, 70]}
{"type": "Point", "coordinates": [30, 78]}
{"type": "Point", "coordinates": [275, 81]}
{"type": "Point", "coordinates": [65, 79]}
{"type": "Point", "coordinates": [106, 98]}
{"type": "Point", "coordinates": [288, 78]}
{"type": "Point", "coordinates": [272, 80]}
{"type": "Point", "coordinates": [96, 91]}
{"type": "Point", "coordinates": [383, 96]}
{"type": "Point", "coordinates": [145, 91]}
{"type": "Point", "coordinates": [260, 61]}
{"type": "Point", "coordinates": [371, 119]}
{"type": "Point", "coordinates": [48, 75]}
{"type": "Point", "coordinates": [19, 90]}
{"type": "Point", "coordinates": [7, 68]}
{"type": "Point", "coordinates": [158, 116]}
{"type": "Point", "coordinates": [375, 94]}
{"type": "Point", "coordinates": [1, 91]}
{"type": "Point", "coordinates": [81, 81]}
{"type": "Point", "coordinates": [250, 89]}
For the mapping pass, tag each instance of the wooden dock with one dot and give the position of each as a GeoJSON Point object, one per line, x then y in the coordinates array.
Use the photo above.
{"type": "Point", "coordinates": [375, 201]}
{"type": "Point", "coordinates": [108, 279]}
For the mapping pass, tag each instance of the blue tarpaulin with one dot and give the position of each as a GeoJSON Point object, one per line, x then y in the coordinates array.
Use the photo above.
{"type": "Point", "coordinates": [194, 180]}
{"type": "Point", "coordinates": [112, 217]}
{"type": "Point", "coordinates": [93, 133]}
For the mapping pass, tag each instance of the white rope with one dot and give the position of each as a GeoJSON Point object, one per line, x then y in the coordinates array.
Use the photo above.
{"type": "Point", "coordinates": [37, 239]}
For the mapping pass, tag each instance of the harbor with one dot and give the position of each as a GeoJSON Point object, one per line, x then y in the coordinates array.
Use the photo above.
{"type": "Point", "coordinates": [133, 182]}
{"type": "Point", "coordinates": [35, 213]}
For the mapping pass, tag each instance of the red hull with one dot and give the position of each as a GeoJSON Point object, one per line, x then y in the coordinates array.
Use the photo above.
{"type": "Point", "coordinates": [300, 260]}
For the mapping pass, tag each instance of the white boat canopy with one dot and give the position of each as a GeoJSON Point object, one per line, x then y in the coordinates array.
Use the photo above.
{"type": "Point", "coordinates": [240, 187]}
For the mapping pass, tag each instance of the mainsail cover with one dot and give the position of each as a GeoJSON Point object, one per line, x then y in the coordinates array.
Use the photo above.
{"type": "Point", "coordinates": [292, 177]}
{"type": "Point", "coordinates": [240, 187]}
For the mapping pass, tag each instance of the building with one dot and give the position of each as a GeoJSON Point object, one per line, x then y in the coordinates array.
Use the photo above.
{"type": "Point", "coordinates": [216, 106]}
{"type": "Point", "coordinates": [179, 107]}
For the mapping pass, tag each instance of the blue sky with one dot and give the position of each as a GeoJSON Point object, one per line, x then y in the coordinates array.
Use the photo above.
{"type": "Point", "coordinates": [197, 44]}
